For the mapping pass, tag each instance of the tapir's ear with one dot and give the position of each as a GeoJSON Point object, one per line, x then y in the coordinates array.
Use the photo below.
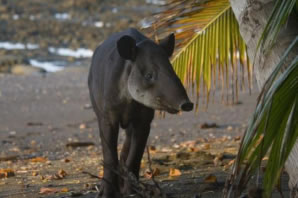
{"type": "Point", "coordinates": [127, 48]}
{"type": "Point", "coordinates": [168, 44]}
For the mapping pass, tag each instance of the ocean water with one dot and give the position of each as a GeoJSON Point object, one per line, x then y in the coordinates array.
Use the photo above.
{"type": "Point", "coordinates": [56, 58]}
{"type": "Point", "coordinates": [53, 65]}
{"type": "Point", "coordinates": [17, 46]}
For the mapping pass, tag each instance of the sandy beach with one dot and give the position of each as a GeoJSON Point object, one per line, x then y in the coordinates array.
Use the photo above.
{"type": "Point", "coordinates": [53, 106]}
{"type": "Point", "coordinates": [42, 114]}
{"type": "Point", "coordinates": [49, 138]}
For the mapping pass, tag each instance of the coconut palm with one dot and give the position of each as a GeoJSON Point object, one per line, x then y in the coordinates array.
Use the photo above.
{"type": "Point", "coordinates": [209, 41]}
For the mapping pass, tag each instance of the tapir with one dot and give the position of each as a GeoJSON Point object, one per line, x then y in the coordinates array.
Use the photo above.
{"type": "Point", "coordinates": [130, 77]}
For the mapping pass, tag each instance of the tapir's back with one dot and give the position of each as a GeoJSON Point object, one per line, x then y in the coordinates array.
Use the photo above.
{"type": "Point", "coordinates": [109, 45]}
{"type": "Point", "coordinates": [110, 42]}
{"type": "Point", "coordinates": [107, 51]}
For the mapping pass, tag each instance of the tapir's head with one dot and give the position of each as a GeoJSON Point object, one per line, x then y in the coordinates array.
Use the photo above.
{"type": "Point", "coordinates": [152, 80]}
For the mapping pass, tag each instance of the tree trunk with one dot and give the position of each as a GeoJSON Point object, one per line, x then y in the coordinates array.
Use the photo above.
{"type": "Point", "coordinates": [252, 16]}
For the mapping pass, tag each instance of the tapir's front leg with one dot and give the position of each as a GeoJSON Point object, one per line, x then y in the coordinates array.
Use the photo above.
{"type": "Point", "coordinates": [139, 129]}
{"type": "Point", "coordinates": [109, 137]}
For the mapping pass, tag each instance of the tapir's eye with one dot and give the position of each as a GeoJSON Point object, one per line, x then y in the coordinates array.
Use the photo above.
{"type": "Point", "coordinates": [148, 76]}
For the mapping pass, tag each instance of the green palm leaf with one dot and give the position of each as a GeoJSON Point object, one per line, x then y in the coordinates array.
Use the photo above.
{"type": "Point", "coordinates": [277, 20]}
{"type": "Point", "coordinates": [209, 47]}
{"type": "Point", "coordinates": [273, 129]}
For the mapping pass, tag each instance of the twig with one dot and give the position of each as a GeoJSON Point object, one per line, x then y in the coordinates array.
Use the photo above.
{"type": "Point", "coordinates": [91, 175]}
{"type": "Point", "coordinates": [150, 168]}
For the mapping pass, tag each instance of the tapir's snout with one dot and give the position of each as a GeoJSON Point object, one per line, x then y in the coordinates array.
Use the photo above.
{"type": "Point", "coordinates": [186, 106]}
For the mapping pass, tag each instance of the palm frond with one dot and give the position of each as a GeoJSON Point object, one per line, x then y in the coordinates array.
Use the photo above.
{"type": "Point", "coordinates": [277, 20]}
{"type": "Point", "coordinates": [273, 129]}
{"type": "Point", "coordinates": [209, 47]}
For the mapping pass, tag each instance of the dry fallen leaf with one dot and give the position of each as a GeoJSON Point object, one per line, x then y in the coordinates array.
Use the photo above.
{"type": "Point", "coordinates": [46, 178]}
{"type": "Point", "coordinates": [148, 174]}
{"type": "Point", "coordinates": [44, 190]}
{"type": "Point", "coordinates": [229, 128]}
{"type": "Point", "coordinates": [34, 123]}
{"type": "Point", "coordinates": [34, 173]}
{"type": "Point", "coordinates": [192, 149]}
{"type": "Point", "coordinates": [100, 173]}
{"type": "Point", "coordinates": [205, 146]}
{"type": "Point", "coordinates": [227, 166]}
{"type": "Point", "coordinates": [190, 143]}
{"type": "Point", "coordinates": [265, 158]}
{"type": "Point", "coordinates": [83, 126]}
{"type": "Point", "coordinates": [79, 169]}
{"type": "Point", "coordinates": [217, 161]}
{"type": "Point", "coordinates": [39, 159]}
{"type": "Point", "coordinates": [225, 138]}
{"type": "Point", "coordinates": [210, 179]}
{"type": "Point", "coordinates": [237, 138]}
{"type": "Point", "coordinates": [5, 173]}
{"type": "Point", "coordinates": [61, 173]}
{"type": "Point", "coordinates": [174, 172]}
{"type": "Point", "coordinates": [166, 150]}
{"type": "Point", "coordinates": [143, 164]}
{"type": "Point", "coordinates": [183, 155]}
{"type": "Point", "coordinates": [206, 125]}
{"type": "Point", "coordinates": [2, 183]}
{"type": "Point", "coordinates": [64, 190]}
{"type": "Point", "coordinates": [232, 150]}
{"type": "Point", "coordinates": [66, 160]}
{"type": "Point", "coordinates": [79, 144]}
{"type": "Point", "coordinates": [152, 149]}
{"type": "Point", "coordinates": [231, 162]}
{"type": "Point", "coordinates": [9, 158]}
{"type": "Point", "coordinates": [48, 190]}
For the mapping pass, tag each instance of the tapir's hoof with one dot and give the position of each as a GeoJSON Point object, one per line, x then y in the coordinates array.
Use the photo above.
{"type": "Point", "coordinates": [127, 191]}
{"type": "Point", "coordinates": [114, 195]}
{"type": "Point", "coordinates": [102, 194]}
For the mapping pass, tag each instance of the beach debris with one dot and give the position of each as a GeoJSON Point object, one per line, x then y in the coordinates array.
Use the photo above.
{"type": "Point", "coordinates": [5, 173]}
{"type": "Point", "coordinates": [229, 128]}
{"type": "Point", "coordinates": [218, 159]}
{"type": "Point", "coordinates": [183, 155]}
{"type": "Point", "coordinates": [206, 125]}
{"type": "Point", "coordinates": [66, 160]}
{"type": "Point", "coordinates": [39, 160]}
{"type": "Point", "coordinates": [87, 106]}
{"type": "Point", "coordinates": [34, 123]}
{"type": "Point", "coordinates": [9, 158]}
{"type": "Point", "coordinates": [100, 173]}
{"type": "Point", "coordinates": [61, 174]}
{"type": "Point", "coordinates": [152, 149]}
{"type": "Point", "coordinates": [149, 174]}
{"type": "Point", "coordinates": [205, 146]}
{"type": "Point", "coordinates": [45, 190]}
{"type": "Point", "coordinates": [79, 144]}
{"type": "Point", "coordinates": [83, 126]}
{"type": "Point", "coordinates": [210, 179]}
{"type": "Point", "coordinates": [174, 172]}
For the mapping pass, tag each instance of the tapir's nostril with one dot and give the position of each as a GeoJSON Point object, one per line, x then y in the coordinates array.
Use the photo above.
{"type": "Point", "coordinates": [186, 106]}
